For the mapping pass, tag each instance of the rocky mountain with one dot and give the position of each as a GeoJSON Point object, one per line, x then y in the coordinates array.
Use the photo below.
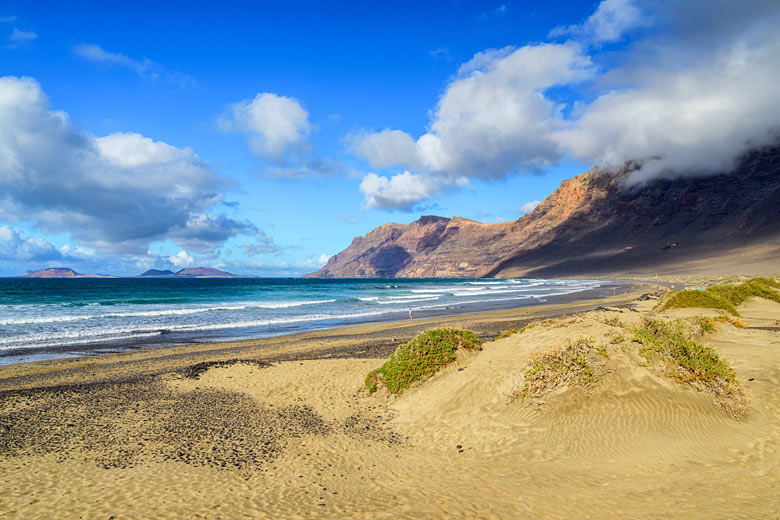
{"type": "Point", "coordinates": [595, 224]}
{"type": "Point", "coordinates": [60, 272]}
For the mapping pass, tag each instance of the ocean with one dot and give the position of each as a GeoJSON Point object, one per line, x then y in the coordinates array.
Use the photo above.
{"type": "Point", "coordinates": [55, 318]}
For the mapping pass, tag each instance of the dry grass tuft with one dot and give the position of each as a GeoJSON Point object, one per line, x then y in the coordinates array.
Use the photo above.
{"type": "Point", "coordinates": [575, 363]}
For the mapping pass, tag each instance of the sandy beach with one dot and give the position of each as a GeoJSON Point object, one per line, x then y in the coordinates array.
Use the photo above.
{"type": "Point", "coordinates": [284, 427]}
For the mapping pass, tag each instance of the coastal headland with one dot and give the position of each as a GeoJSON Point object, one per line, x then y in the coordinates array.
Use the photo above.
{"type": "Point", "coordinates": [285, 427]}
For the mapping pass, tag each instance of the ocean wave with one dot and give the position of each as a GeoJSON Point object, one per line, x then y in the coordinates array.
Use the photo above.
{"type": "Point", "coordinates": [411, 299]}
{"type": "Point", "coordinates": [108, 334]}
{"type": "Point", "coordinates": [41, 323]}
{"type": "Point", "coordinates": [161, 312]}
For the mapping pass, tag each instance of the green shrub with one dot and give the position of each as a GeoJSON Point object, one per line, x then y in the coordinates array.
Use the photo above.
{"type": "Point", "coordinates": [725, 297]}
{"type": "Point", "coordinates": [697, 300]}
{"type": "Point", "coordinates": [420, 358]}
{"type": "Point", "coordinates": [739, 294]}
{"type": "Point", "coordinates": [692, 362]}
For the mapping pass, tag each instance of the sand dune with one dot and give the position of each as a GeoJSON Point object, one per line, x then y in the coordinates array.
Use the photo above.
{"type": "Point", "coordinates": [302, 439]}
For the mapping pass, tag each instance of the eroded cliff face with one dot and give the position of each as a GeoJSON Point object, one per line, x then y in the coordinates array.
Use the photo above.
{"type": "Point", "coordinates": [594, 223]}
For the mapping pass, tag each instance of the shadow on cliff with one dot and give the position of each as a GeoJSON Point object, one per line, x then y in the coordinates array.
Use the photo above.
{"type": "Point", "coordinates": [388, 260]}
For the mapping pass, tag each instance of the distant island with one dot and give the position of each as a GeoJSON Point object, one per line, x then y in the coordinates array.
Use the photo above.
{"type": "Point", "coordinates": [187, 272]}
{"type": "Point", "coordinates": [61, 272]}
{"type": "Point", "coordinates": [191, 272]}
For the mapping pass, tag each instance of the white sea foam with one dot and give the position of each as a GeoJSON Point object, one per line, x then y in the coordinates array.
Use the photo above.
{"type": "Point", "coordinates": [160, 312]}
{"type": "Point", "coordinates": [71, 323]}
{"type": "Point", "coordinates": [411, 299]}
{"type": "Point", "coordinates": [97, 334]}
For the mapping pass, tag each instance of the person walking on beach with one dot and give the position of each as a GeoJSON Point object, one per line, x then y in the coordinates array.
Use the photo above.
{"type": "Point", "coordinates": [410, 313]}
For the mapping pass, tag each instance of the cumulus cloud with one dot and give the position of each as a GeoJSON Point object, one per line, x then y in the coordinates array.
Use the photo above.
{"type": "Point", "coordinates": [528, 207]}
{"type": "Point", "coordinates": [492, 119]}
{"type": "Point", "coordinates": [115, 193]}
{"type": "Point", "coordinates": [402, 191]}
{"type": "Point", "coordinates": [611, 20]}
{"type": "Point", "coordinates": [276, 125]}
{"type": "Point", "coordinates": [144, 68]}
{"type": "Point", "coordinates": [81, 253]}
{"type": "Point", "coordinates": [693, 114]}
{"type": "Point", "coordinates": [15, 247]}
{"type": "Point", "coordinates": [202, 232]}
{"type": "Point", "coordinates": [181, 259]}
{"type": "Point", "coordinates": [387, 148]}
{"type": "Point", "coordinates": [688, 96]}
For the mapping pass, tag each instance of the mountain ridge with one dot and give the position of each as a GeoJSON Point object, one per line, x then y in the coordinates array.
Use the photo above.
{"type": "Point", "coordinates": [593, 224]}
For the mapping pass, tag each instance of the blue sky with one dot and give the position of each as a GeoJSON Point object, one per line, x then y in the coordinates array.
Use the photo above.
{"type": "Point", "coordinates": [262, 137]}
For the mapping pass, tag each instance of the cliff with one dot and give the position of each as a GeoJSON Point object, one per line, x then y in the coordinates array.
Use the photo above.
{"type": "Point", "coordinates": [594, 224]}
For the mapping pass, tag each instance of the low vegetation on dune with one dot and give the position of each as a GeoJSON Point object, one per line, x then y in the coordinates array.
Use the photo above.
{"type": "Point", "coordinates": [420, 358]}
{"type": "Point", "coordinates": [512, 331]}
{"type": "Point", "coordinates": [575, 363]}
{"type": "Point", "coordinates": [706, 324]}
{"type": "Point", "coordinates": [726, 297]}
{"type": "Point", "coordinates": [691, 362]}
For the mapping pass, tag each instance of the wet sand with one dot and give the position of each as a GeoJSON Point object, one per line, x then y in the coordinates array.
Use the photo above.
{"type": "Point", "coordinates": [282, 428]}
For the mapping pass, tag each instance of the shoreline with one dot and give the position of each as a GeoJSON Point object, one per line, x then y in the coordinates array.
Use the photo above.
{"type": "Point", "coordinates": [373, 339]}
{"type": "Point", "coordinates": [165, 338]}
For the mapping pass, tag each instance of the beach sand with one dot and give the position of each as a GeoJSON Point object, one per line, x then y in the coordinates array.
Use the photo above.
{"type": "Point", "coordinates": [289, 432]}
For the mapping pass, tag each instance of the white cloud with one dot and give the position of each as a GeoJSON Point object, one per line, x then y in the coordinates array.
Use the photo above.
{"type": "Point", "coordinates": [492, 119]}
{"type": "Point", "coordinates": [181, 259]}
{"type": "Point", "coordinates": [323, 259]}
{"type": "Point", "coordinates": [116, 193]}
{"type": "Point", "coordinates": [144, 68]}
{"type": "Point", "coordinates": [401, 191]}
{"type": "Point", "coordinates": [528, 207]}
{"type": "Point", "coordinates": [687, 97]}
{"type": "Point", "coordinates": [82, 253]}
{"type": "Point", "coordinates": [611, 20]}
{"type": "Point", "coordinates": [18, 38]}
{"type": "Point", "coordinates": [15, 247]}
{"type": "Point", "coordinates": [387, 148]}
{"type": "Point", "coordinates": [276, 125]}
{"type": "Point", "coordinates": [686, 120]}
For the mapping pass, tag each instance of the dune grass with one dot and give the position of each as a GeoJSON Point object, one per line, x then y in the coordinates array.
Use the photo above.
{"type": "Point", "coordinates": [512, 331]}
{"type": "Point", "coordinates": [691, 362]}
{"type": "Point", "coordinates": [420, 358]}
{"type": "Point", "coordinates": [707, 325]}
{"type": "Point", "coordinates": [725, 297]}
{"type": "Point", "coordinates": [567, 365]}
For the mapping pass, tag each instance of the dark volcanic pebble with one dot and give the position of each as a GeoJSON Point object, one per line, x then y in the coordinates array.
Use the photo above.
{"type": "Point", "coordinates": [194, 371]}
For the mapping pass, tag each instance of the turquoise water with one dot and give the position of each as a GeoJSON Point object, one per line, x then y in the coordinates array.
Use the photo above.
{"type": "Point", "coordinates": [45, 318]}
